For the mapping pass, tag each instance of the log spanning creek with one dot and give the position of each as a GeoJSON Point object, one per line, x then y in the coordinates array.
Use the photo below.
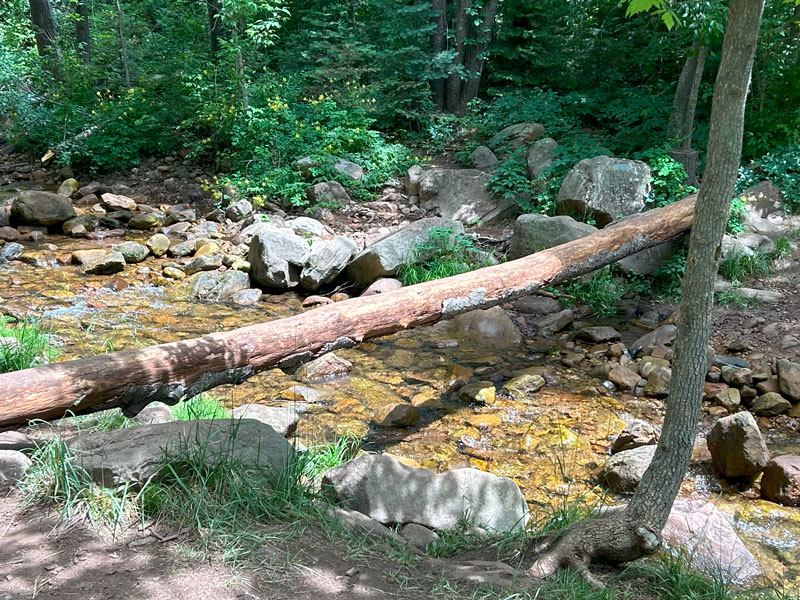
{"type": "Point", "coordinates": [553, 443]}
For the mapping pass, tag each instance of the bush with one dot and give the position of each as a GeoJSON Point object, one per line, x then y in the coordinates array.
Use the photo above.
{"type": "Point", "coordinates": [782, 168]}
{"type": "Point", "coordinates": [598, 290]}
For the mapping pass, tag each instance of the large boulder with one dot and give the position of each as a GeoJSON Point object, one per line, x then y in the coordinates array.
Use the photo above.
{"type": "Point", "coordinates": [604, 189]}
{"type": "Point", "coordinates": [519, 134]}
{"type": "Point", "coordinates": [385, 256]}
{"type": "Point", "coordinates": [461, 194]}
{"type": "Point", "coordinates": [658, 338]}
{"type": "Point", "coordinates": [763, 210]}
{"type": "Point", "coordinates": [32, 207]}
{"type": "Point", "coordinates": [390, 492]}
{"type": "Point", "coordinates": [326, 261]}
{"type": "Point", "coordinates": [277, 257]}
{"type": "Point", "coordinates": [540, 156]}
{"type": "Point", "coordinates": [328, 192]}
{"type": "Point", "coordinates": [738, 450]}
{"type": "Point", "coordinates": [492, 326]}
{"type": "Point", "coordinates": [624, 470]}
{"type": "Point", "coordinates": [211, 286]}
{"type": "Point", "coordinates": [534, 232]}
{"type": "Point", "coordinates": [781, 480]}
{"type": "Point", "coordinates": [483, 159]}
{"type": "Point", "coordinates": [136, 454]}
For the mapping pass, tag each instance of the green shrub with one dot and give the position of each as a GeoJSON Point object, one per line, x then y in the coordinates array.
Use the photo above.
{"type": "Point", "coordinates": [668, 177]}
{"type": "Point", "coordinates": [442, 254]}
{"type": "Point", "coordinates": [599, 290]}
{"type": "Point", "coordinates": [782, 168]}
{"type": "Point", "coordinates": [26, 347]}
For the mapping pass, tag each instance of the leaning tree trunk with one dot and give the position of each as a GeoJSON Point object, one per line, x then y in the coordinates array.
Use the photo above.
{"type": "Point", "coordinates": [82, 37]}
{"type": "Point", "coordinates": [635, 531]}
{"type": "Point", "coordinates": [681, 122]}
{"type": "Point", "coordinates": [438, 45]}
{"type": "Point", "coordinates": [44, 30]}
{"type": "Point", "coordinates": [132, 379]}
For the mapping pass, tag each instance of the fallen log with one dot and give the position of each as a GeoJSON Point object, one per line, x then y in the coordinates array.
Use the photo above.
{"type": "Point", "coordinates": [131, 379]}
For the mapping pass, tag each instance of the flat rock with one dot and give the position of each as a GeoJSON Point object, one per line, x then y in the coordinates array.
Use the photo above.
{"type": "Point", "coordinates": [385, 489]}
{"type": "Point", "coordinates": [283, 419]}
{"type": "Point", "coordinates": [16, 440]}
{"type": "Point", "coordinates": [419, 535]}
{"type": "Point", "coordinates": [738, 450]}
{"type": "Point", "coordinates": [770, 405]}
{"type": "Point", "coordinates": [537, 305]}
{"type": "Point", "coordinates": [552, 324]}
{"type": "Point", "coordinates": [599, 334]}
{"type": "Point", "coordinates": [523, 386]}
{"type": "Point", "coordinates": [112, 202]}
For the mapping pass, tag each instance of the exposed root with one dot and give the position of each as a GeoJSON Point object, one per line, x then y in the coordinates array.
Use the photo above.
{"type": "Point", "coordinates": [484, 572]}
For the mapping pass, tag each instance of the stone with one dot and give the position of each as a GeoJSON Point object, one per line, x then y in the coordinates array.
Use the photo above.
{"type": "Point", "coordinates": [106, 263]}
{"type": "Point", "coordinates": [385, 256]}
{"type": "Point", "coordinates": [203, 263]}
{"type": "Point", "coordinates": [16, 440]}
{"type": "Point", "coordinates": [763, 296]}
{"type": "Point", "coordinates": [143, 221]}
{"type": "Point", "coordinates": [11, 251]}
{"type": "Point", "coordinates": [307, 227]}
{"type": "Point", "coordinates": [658, 380]}
{"type": "Point", "coordinates": [68, 187]}
{"type": "Point", "coordinates": [239, 211]}
{"type": "Point", "coordinates": [382, 285]}
{"type": "Point", "coordinates": [360, 523]}
{"type": "Point", "coordinates": [482, 392]}
{"type": "Point", "coordinates": [703, 534]}
{"type": "Point", "coordinates": [397, 414]}
{"type": "Point", "coordinates": [154, 413]}
{"type": "Point", "coordinates": [385, 489]}
{"type": "Point", "coordinates": [523, 386]}
{"type": "Point", "coordinates": [328, 192]}
{"type": "Point", "coordinates": [552, 324]}
{"type": "Point", "coordinates": [649, 363]}
{"type": "Point", "coordinates": [348, 168]}
{"type": "Point", "coordinates": [158, 245]}
{"type": "Point", "coordinates": [9, 234]}
{"type": "Point", "coordinates": [598, 334]}
{"type": "Point", "coordinates": [276, 257]}
{"type": "Point", "coordinates": [492, 326]}
{"type": "Point", "coordinates": [636, 434]}
{"type": "Point", "coordinates": [13, 466]}
{"type": "Point", "coordinates": [326, 260]}
{"type": "Point", "coordinates": [78, 226]}
{"type": "Point", "coordinates": [419, 535]}
{"type": "Point", "coordinates": [519, 134]}
{"type": "Point", "coordinates": [173, 272]}
{"type": "Point", "coordinates": [658, 338]}
{"type": "Point", "coordinates": [770, 405]}
{"type": "Point", "coordinates": [180, 214]}
{"type": "Point", "coordinates": [738, 450]}
{"type": "Point", "coordinates": [462, 195]}
{"type": "Point", "coordinates": [781, 480]}
{"type": "Point", "coordinates": [112, 202]}
{"type": "Point", "coordinates": [183, 249]}
{"type": "Point", "coordinates": [283, 419]}
{"type": "Point", "coordinates": [206, 248]}
{"type": "Point", "coordinates": [789, 379]}
{"type": "Point", "coordinates": [623, 471]}
{"type": "Point", "coordinates": [645, 262]}
{"type": "Point", "coordinates": [32, 207]}
{"type": "Point", "coordinates": [537, 305]}
{"type": "Point", "coordinates": [132, 252]}
{"type": "Point", "coordinates": [623, 377]}
{"type": "Point", "coordinates": [540, 157]}
{"type": "Point", "coordinates": [604, 189]}
{"type": "Point", "coordinates": [483, 158]}
{"type": "Point", "coordinates": [247, 297]}
{"type": "Point", "coordinates": [303, 393]}
{"type": "Point", "coordinates": [534, 232]}
{"type": "Point", "coordinates": [736, 375]}
{"type": "Point", "coordinates": [326, 366]}
{"type": "Point", "coordinates": [211, 286]}
{"type": "Point", "coordinates": [729, 398]}
{"type": "Point", "coordinates": [137, 454]}
{"type": "Point", "coordinates": [90, 189]}
{"type": "Point", "coordinates": [411, 182]}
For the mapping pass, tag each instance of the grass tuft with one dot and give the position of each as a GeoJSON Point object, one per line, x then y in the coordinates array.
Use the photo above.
{"type": "Point", "coordinates": [443, 254]}
{"type": "Point", "coordinates": [600, 291]}
{"type": "Point", "coordinates": [201, 406]}
{"type": "Point", "coordinates": [739, 266]}
{"type": "Point", "coordinates": [735, 299]}
{"type": "Point", "coordinates": [23, 346]}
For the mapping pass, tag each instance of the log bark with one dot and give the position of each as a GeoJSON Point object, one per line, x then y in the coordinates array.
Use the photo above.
{"type": "Point", "coordinates": [132, 379]}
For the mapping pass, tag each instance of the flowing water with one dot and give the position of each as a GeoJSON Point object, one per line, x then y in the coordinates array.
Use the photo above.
{"type": "Point", "coordinates": [551, 444]}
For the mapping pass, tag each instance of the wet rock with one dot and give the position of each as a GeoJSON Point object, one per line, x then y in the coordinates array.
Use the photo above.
{"type": "Point", "coordinates": [276, 257]}
{"type": "Point", "coordinates": [143, 221]}
{"type": "Point", "coordinates": [329, 192]}
{"type": "Point", "coordinates": [68, 188]}
{"type": "Point", "coordinates": [283, 419]}
{"type": "Point", "coordinates": [658, 338]}
{"type": "Point", "coordinates": [397, 414]}
{"type": "Point", "coordinates": [623, 377]}
{"type": "Point", "coordinates": [482, 392]}
{"type": "Point", "coordinates": [523, 386]}
{"type": "Point", "coordinates": [537, 305]}
{"type": "Point", "coordinates": [730, 361]}
{"type": "Point", "coordinates": [183, 249]}
{"type": "Point", "coordinates": [636, 434]}
{"type": "Point", "coordinates": [738, 450]}
{"type": "Point", "coordinates": [307, 227]}
{"type": "Point", "coordinates": [540, 157]}
{"type": "Point", "coordinates": [419, 535]}
{"type": "Point", "coordinates": [534, 232]}
{"type": "Point", "coordinates": [658, 382]}
{"type": "Point", "coordinates": [520, 134]}
{"type": "Point", "coordinates": [16, 440]}
{"type": "Point", "coordinates": [770, 405]}
{"type": "Point", "coordinates": [604, 189]}
{"type": "Point", "coordinates": [389, 491]}
{"type": "Point", "coordinates": [483, 158]}
{"type": "Point", "coordinates": [325, 367]}
{"type": "Point", "coordinates": [136, 454]}
{"type": "Point", "coordinates": [730, 399]}
{"type": "Point", "coordinates": [624, 470]}
{"type": "Point", "coordinates": [211, 286]}
{"type": "Point", "coordinates": [789, 379]}
{"type": "Point", "coordinates": [326, 261]}
{"type": "Point", "coordinates": [31, 207]}
{"type": "Point", "coordinates": [132, 252]}
{"type": "Point", "coordinates": [173, 272]}
{"type": "Point", "coordinates": [239, 211]}
{"type": "Point", "coordinates": [112, 202]}
{"type": "Point", "coordinates": [9, 234]}
{"type": "Point", "coordinates": [461, 195]}
{"type": "Point", "coordinates": [154, 413]}
{"type": "Point", "coordinates": [158, 244]}
{"type": "Point", "coordinates": [303, 393]}
{"type": "Point", "coordinates": [383, 257]}
{"type": "Point", "coordinates": [102, 263]}
{"type": "Point", "coordinates": [555, 322]}
{"type": "Point", "coordinates": [203, 263]}
{"type": "Point", "coordinates": [598, 335]}
{"type": "Point", "coordinates": [382, 285]}
{"type": "Point", "coordinates": [781, 480]}
{"type": "Point", "coordinates": [491, 326]}
{"type": "Point", "coordinates": [11, 251]}
{"type": "Point", "coordinates": [79, 226]}
{"type": "Point", "coordinates": [413, 175]}
{"type": "Point", "coordinates": [13, 466]}
{"type": "Point", "coordinates": [247, 297]}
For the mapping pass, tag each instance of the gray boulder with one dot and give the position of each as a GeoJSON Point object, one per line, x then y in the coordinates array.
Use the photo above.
{"type": "Point", "coordinates": [13, 466]}
{"type": "Point", "coordinates": [492, 326]}
{"type": "Point", "coordinates": [647, 261]}
{"type": "Point", "coordinates": [635, 435]}
{"type": "Point", "coordinates": [326, 261]}
{"type": "Point", "coordinates": [306, 226]}
{"type": "Point", "coordinates": [540, 156]}
{"type": "Point", "coordinates": [658, 338]}
{"type": "Point", "coordinates": [329, 192]}
{"type": "Point", "coordinates": [537, 305]}
{"type": "Point", "coordinates": [211, 286]}
{"type": "Point", "coordinates": [32, 207]}
{"type": "Point", "coordinates": [520, 134]}
{"type": "Point", "coordinates": [11, 251]}
{"type": "Point", "coordinates": [348, 168]}
{"type": "Point", "coordinates": [534, 232]}
{"type": "Point", "coordinates": [385, 256]}
{"type": "Point", "coordinates": [604, 189]}
{"type": "Point", "coordinates": [461, 194]}
{"type": "Point", "coordinates": [16, 440]}
{"type": "Point", "coordinates": [738, 450]}
{"type": "Point", "coordinates": [483, 159]}
{"type": "Point", "coordinates": [112, 202]}
{"type": "Point", "coordinates": [239, 211]}
{"type": "Point", "coordinates": [136, 454]}
{"type": "Point", "coordinates": [283, 419]}
{"type": "Point", "coordinates": [624, 470]}
{"type": "Point", "coordinates": [789, 379]}
{"type": "Point", "coordinates": [154, 413]}
{"type": "Point", "coordinates": [277, 257]}
{"type": "Point", "coordinates": [413, 175]}
{"type": "Point", "coordinates": [390, 492]}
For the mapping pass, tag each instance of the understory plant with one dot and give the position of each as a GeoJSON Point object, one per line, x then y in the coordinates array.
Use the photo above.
{"type": "Point", "coordinates": [201, 406]}
{"type": "Point", "coordinates": [443, 254]}
{"type": "Point", "coordinates": [24, 345]}
{"type": "Point", "coordinates": [599, 290]}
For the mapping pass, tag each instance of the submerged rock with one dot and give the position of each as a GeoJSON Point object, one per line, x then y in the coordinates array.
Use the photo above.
{"type": "Point", "coordinates": [211, 286]}
{"type": "Point", "coordinates": [491, 326]}
{"type": "Point", "coordinates": [325, 367]}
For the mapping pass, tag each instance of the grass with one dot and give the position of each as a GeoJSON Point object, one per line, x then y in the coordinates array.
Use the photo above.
{"type": "Point", "coordinates": [32, 347]}
{"type": "Point", "coordinates": [106, 420]}
{"type": "Point", "coordinates": [599, 290]}
{"type": "Point", "coordinates": [739, 266]}
{"type": "Point", "coordinates": [734, 299]}
{"type": "Point", "coordinates": [443, 254]}
{"type": "Point", "coordinates": [201, 406]}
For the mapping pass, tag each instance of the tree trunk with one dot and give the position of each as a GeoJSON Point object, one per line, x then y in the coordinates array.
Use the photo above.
{"type": "Point", "coordinates": [216, 31]}
{"type": "Point", "coordinates": [635, 531]}
{"type": "Point", "coordinates": [454, 81]}
{"type": "Point", "coordinates": [123, 46]}
{"type": "Point", "coordinates": [438, 45]}
{"type": "Point", "coordinates": [82, 37]}
{"type": "Point", "coordinates": [474, 61]}
{"type": "Point", "coordinates": [244, 94]}
{"type": "Point", "coordinates": [44, 30]}
{"type": "Point", "coordinates": [681, 122]}
{"type": "Point", "coordinates": [132, 379]}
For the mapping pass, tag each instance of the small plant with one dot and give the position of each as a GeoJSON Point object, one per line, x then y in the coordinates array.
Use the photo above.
{"type": "Point", "coordinates": [23, 346]}
{"type": "Point", "coordinates": [668, 177]}
{"type": "Point", "coordinates": [443, 254]}
{"type": "Point", "coordinates": [735, 299]}
{"type": "Point", "coordinates": [738, 209]}
{"type": "Point", "coordinates": [600, 291]}
{"type": "Point", "coordinates": [106, 420]}
{"type": "Point", "coordinates": [671, 577]}
{"type": "Point", "coordinates": [201, 406]}
{"type": "Point", "coordinates": [462, 537]}
{"type": "Point", "coordinates": [739, 265]}
{"type": "Point", "coordinates": [319, 459]}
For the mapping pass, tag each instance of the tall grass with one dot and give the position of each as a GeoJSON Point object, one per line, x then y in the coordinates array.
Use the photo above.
{"type": "Point", "coordinates": [201, 406]}
{"type": "Point", "coordinates": [739, 266]}
{"type": "Point", "coordinates": [25, 345]}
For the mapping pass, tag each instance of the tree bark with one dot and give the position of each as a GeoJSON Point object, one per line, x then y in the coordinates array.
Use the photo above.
{"type": "Point", "coordinates": [82, 38]}
{"type": "Point", "coordinates": [636, 530]}
{"type": "Point", "coordinates": [216, 31]}
{"type": "Point", "coordinates": [123, 46]}
{"type": "Point", "coordinates": [132, 379]}
{"type": "Point", "coordinates": [44, 30]}
{"type": "Point", "coordinates": [474, 60]}
{"type": "Point", "coordinates": [681, 122]}
{"type": "Point", "coordinates": [438, 45]}
{"type": "Point", "coordinates": [454, 81]}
